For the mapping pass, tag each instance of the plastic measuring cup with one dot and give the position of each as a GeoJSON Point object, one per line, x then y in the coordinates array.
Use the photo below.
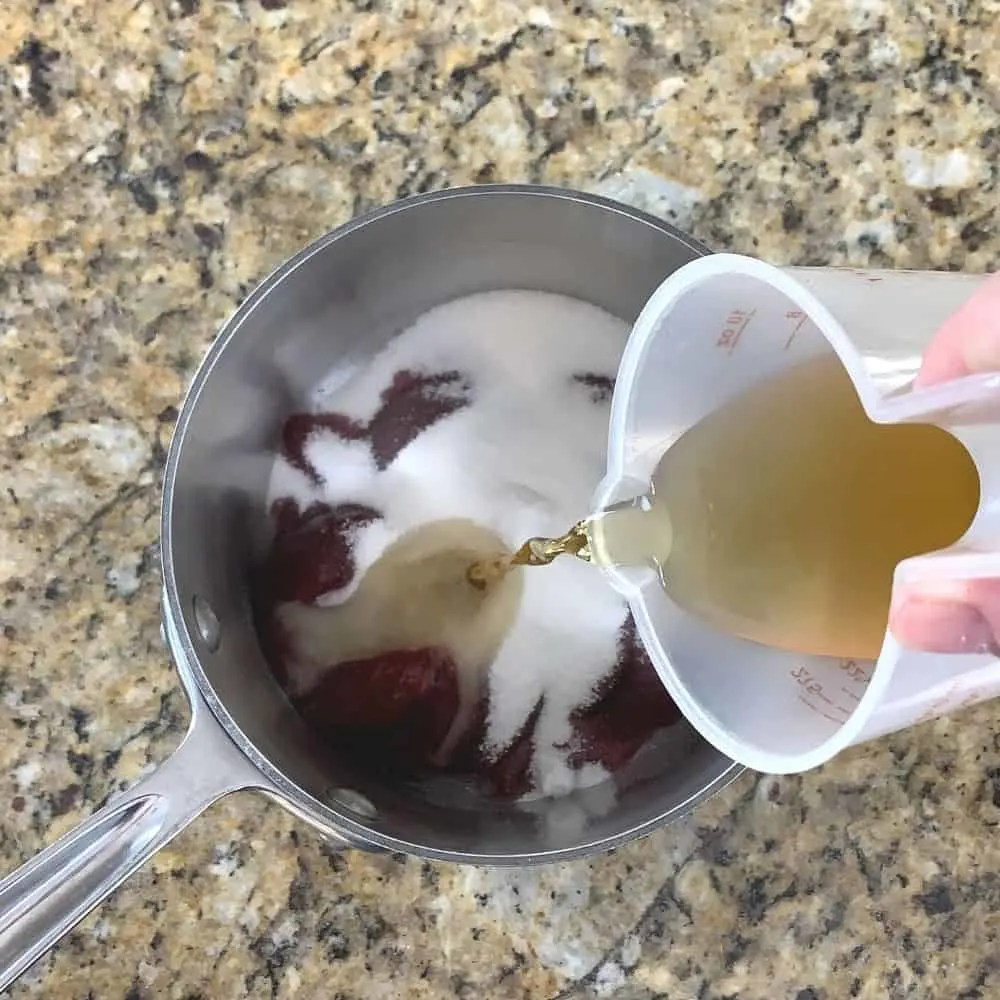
{"type": "Point", "coordinates": [710, 332]}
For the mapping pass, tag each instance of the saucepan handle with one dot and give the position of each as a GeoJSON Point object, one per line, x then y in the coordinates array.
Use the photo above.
{"type": "Point", "coordinates": [49, 895]}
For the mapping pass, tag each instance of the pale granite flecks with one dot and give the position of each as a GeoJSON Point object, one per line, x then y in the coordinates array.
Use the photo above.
{"type": "Point", "coordinates": [158, 157]}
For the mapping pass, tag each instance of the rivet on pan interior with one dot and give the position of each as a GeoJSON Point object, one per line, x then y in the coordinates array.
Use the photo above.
{"type": "Point", "coordinates": [207, 622]}
{"type": "Point", "coordinates": [347, 798]}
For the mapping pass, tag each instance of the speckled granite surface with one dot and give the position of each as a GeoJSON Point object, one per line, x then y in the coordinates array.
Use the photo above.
{"type": "Point", "coordinates": [157, 158]}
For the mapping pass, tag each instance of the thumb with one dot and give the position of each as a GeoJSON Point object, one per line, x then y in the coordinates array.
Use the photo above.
{"type": "Point", "coordinates": [960, 616]}
{"type": "Point", "coordinates": [969, 341]}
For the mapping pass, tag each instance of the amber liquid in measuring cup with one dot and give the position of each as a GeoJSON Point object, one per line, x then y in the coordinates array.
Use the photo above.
{"type": "Point", "coordinates": [781, 516]}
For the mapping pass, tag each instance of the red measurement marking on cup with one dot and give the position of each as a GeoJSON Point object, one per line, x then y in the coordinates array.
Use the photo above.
{"type": "Point", "coordinates": [860, 673]}
{"type": "Point", "coordinates": [811, 690]}
{"type": "Point", "coordinates": [820, 711]}
{"type": "Point", "coordinates": [857, 671]}
{"type": "Point", "coordinates": [810, 684]}
{"type": "Point", "coordinates": [945, 703]}
{"type": "Point", "coordinates": [736, 323]}
{"type": "Point", "coordinates": [867, 276]}
{"type": "Point", "coordinates": [798, 318]}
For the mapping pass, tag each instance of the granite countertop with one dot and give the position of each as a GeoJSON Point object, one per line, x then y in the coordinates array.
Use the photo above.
{"type": "Point", "coordinates": [157, 159]}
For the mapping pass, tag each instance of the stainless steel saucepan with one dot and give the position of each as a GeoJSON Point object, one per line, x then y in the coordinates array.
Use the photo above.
{"type": "Point", "coordinates": [337, 303]}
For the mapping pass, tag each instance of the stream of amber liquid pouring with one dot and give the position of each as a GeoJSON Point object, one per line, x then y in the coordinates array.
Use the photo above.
{"type": "Point", "coordinates": [534, 552]}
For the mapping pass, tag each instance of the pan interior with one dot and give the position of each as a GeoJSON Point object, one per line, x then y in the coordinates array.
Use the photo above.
{"type": "Point", "coordinates": [334, 306]}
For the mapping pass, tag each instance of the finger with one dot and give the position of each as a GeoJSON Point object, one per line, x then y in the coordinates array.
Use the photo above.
{"type": "Point", "coordinates": [969, 341]}
{"type": "Point", "coordinates": [957, 617]}
{"type": "Point", "coordinates": [931, 625]}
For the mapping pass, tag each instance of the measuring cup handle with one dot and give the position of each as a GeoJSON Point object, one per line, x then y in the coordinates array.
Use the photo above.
{"type": "Point", "coordinates": [49, 895]}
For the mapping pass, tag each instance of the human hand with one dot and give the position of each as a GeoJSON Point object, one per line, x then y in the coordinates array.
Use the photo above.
{"type": "Point", "coordinates": [960, 616]}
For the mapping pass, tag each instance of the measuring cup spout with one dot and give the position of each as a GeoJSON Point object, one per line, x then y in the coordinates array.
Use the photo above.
{"type": "Point", "coordinates": [635, 532]}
